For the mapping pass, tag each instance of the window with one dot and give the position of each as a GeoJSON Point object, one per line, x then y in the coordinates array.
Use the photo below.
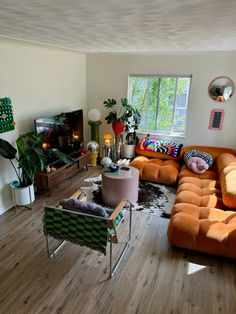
{"type": "Point", "coordinates": [162, 101]}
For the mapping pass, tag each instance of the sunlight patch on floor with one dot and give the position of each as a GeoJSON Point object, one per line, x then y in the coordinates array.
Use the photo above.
{"type": "Point", "coordinates": [193, 268]}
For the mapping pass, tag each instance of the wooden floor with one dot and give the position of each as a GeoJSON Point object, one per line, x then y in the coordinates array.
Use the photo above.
{"type": "Point", "coordinates": [152, 278]}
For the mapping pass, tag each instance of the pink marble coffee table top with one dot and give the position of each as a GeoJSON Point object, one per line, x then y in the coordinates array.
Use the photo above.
{"type": "Point", "coordinates": [122, 174]}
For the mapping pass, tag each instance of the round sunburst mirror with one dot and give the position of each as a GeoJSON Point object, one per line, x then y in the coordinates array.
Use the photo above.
{"type": "Point", "coordinates": [221, 89]}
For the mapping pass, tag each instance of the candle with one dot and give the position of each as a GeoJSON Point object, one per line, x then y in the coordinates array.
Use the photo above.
{"type": "Point", "coordinates": [107, 138]}
{"type": "Point", "coordinates": [45, 146]}
{"type": "Point", "coordinates": [75, 136]}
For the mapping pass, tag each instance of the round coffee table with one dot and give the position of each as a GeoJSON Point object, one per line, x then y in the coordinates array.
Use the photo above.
{"type": "Point", "coordinates": [122, 184]}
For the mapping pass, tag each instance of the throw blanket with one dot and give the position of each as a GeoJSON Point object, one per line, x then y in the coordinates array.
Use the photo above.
{"type": "Point", "coordinates": [83, 207]}
{"type": "Point", "coordinates": [160, 146]}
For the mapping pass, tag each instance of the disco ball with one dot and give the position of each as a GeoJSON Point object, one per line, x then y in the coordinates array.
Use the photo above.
{"type": "Point", "coordinates": [93, 146]}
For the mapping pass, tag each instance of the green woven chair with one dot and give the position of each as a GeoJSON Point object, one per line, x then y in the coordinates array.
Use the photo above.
{"type": "Point", "coordinates": [83, 229]}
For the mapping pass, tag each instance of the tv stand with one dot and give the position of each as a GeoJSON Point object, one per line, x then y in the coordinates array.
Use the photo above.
{"type": "Point", "coordinates": [51, 179]}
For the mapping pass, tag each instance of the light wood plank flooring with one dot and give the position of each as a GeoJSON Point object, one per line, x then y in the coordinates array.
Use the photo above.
{"type": "Point", "coordinates": [152, 278]}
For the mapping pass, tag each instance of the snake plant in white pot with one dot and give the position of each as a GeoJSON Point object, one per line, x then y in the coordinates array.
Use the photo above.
{"type": "Point", "coordinates": [26, 160]}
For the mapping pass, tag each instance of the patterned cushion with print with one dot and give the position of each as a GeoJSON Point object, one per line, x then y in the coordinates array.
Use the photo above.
{"type": "Point", "coordinates": [198, 161]}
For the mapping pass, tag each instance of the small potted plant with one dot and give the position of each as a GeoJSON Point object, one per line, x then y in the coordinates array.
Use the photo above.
{"type": "Point", "coordinates": [131, 139]}
{"type": "Point", "coordinates": [30, 158]}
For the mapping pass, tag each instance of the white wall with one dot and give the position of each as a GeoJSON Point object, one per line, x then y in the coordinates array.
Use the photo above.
{"type": "Point", "coordinates": [40, 81]}
{"type": "Point", "coordinates": [107, 77]}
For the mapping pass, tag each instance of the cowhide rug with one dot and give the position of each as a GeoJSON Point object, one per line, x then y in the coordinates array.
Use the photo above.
{"type": "Point", "coordinates": [152, 198]}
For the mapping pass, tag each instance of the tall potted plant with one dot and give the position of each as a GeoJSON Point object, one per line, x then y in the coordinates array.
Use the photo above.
{"type": "Point", "coordinates": [126, 119]}
{"type": "Point", "coordinates": [119, 118]}
{"type": "Point", "coordinates": [30, 158]}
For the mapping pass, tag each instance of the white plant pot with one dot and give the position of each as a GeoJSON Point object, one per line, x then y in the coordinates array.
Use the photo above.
{"type": "Point", "coordinates": [23, 195]}
{"type": "Point", "coordinates": [128, 151]}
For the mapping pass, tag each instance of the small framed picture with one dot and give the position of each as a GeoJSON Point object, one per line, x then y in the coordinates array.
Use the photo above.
{"type": "Point", "coordinates": [216, 119]}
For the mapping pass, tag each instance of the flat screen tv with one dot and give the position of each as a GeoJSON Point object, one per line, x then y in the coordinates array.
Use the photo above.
{"type": "Point", "coordinates": [63, 131]}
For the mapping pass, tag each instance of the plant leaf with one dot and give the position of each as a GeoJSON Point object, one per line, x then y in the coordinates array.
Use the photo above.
{"type": "Point", "coordinates": [112, 117]}
{"type": "Point", "coordinates": [28, 169]}
{"type": "Point", "coordinates": [7, 150]}
{"type": "Point", "coordinates": [109, 103]}
{"type": "Point", "coordinates": [124, 102]}
{"type": "Point", "coordinates": [37, 157]}
{"type": "Point", "coordinates": [59, 155]}
{"type": "Point", "coordinates": [29, 140]}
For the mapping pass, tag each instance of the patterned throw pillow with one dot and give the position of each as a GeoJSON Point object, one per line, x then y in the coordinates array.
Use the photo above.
{"type": "Point", "coordinates": [197, 153]}
{"type": "Point", "coordinates": [198, 161]}
{"type": "Point", "coordinates": [161, 146]}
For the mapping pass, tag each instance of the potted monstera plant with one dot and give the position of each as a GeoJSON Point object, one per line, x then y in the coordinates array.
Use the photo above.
{"type": "Point", "coordinates": [26, 159]}
{"type": "Point", "coordinates": [118, 117]}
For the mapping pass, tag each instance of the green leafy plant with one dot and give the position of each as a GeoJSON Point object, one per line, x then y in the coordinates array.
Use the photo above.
{"type": "Point", "coordinates": [124, 112]}
{"type": "Point", "coordinates": [132, 126]}
{"type": "Point", "coordinates": [30, 156]}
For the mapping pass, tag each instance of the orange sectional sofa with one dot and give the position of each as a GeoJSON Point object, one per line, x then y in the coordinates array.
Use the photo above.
{"type": "Point", "coordinates": [204, 214]}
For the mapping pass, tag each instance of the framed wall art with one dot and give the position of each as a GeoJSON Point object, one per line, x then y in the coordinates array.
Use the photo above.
{"type": "Point", "coordinates": [216, 119]}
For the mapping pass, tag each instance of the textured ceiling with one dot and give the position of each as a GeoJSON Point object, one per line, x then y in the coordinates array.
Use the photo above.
{"type": "Point", "coordinates": [122, 25]}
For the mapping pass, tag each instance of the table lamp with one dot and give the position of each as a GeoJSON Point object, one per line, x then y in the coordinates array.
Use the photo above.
{"type": "Point", "coordinates": [107, 139]}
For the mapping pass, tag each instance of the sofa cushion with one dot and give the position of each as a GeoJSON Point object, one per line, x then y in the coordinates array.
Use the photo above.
{"type": "Point", "coordinates": [228, 186]}
{"type": "Point", "coordinates": [202, 183]}
{"type": "Point", "coordinates": [224, 160]}
{"type": "Point", "coordinates": [201, 191]}
{"type": "Point", "coordinates": [210, 174]}
{"type": "Point", "coordinates": [226, 164]}
{"type": "Point", "coordinates": [203, 229]}
{"type": "Point", "coordinates": [200, 212]}
{"type": "Point", "coordinates": [156, 170]}
{"type": "Point", "coordinates": [156, 155]}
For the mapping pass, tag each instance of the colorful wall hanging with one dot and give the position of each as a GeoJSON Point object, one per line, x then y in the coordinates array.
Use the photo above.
{"type": "Point", "coordinates": [6, 115]}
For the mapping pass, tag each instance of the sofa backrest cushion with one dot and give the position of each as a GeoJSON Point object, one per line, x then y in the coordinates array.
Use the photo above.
{"type": "Point", "coordinates": [225, 160]}
{"type": "Point", "coordinates": [213, 151]}
{"type": "Point", "coordinates": [226, 164]}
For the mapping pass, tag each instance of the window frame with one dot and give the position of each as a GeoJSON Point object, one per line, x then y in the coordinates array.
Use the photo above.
{"type": "Point", "coordinates": [152, 132]}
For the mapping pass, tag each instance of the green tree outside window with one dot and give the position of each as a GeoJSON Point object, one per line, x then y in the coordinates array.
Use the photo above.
{"type": "Point", "coordinates": [162, 102]}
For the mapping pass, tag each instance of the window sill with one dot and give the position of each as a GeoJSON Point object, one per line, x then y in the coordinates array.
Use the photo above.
{"type": "Point", "coordinates": [163, 136]}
